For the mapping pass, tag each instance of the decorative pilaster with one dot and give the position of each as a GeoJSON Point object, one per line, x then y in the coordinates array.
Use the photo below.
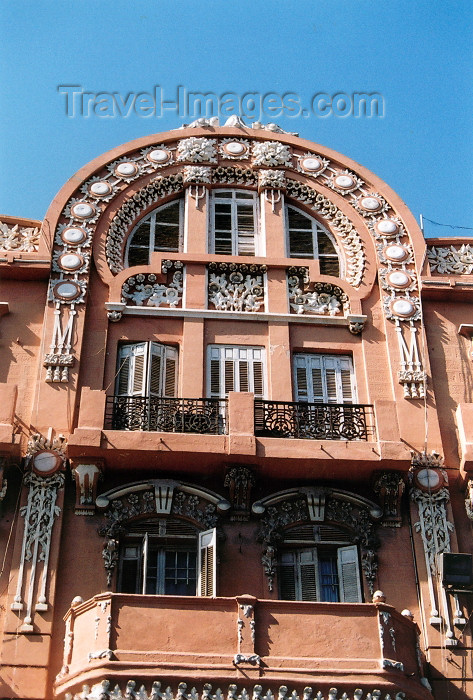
{"type": "Point", "coordinates": [46, 462]}
{"type": "Point", "coordinates": [429, 490]}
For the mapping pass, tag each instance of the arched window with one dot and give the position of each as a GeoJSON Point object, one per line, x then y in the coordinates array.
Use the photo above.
{"type": "Point", "coordinates": [167, 556]}
{"type": "Point", "coordinates": [161, 230]}
{"type": "Point", "coordinates": [318, 562]}
{"type": "Point", "coordinates": [307, 238]}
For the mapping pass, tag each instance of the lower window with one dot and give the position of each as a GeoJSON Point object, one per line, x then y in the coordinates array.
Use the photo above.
{"type": "Point", "coordinates": [167, 556]}
{"type": "Point", "coordinates": [327, 571]}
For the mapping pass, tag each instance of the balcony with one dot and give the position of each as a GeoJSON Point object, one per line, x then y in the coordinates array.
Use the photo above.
{"type": "Point", "coordinates": [156, 414]}
{"type": "Point", "coordinates": [313, 421]}
{"type": "Point", "coordinates": [243, 639]}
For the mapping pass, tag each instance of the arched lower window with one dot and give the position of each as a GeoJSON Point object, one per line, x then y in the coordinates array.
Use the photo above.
{"type": "Point", "coordinates": [307, 238]}
{"type": "Point", "coordinates": [167, 556]}
{"type": "Point", "coordinates": [161, 230]}
{"type": "Point", "coordinates": [318, 563]}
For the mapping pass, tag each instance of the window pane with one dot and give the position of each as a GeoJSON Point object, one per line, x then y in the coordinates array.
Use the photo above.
{"type": "Point", "coordinates": [328, 578]}
{"type": "Point", "coordinates": [325, 245]}
{"type": "Point", "coordinates": [329, 266]}
{"type": "Point", "coordinates": [180, 573]}
{"type": "Point", "coordinates": [138, 256]}
{"type": "Point", "coordinates": [301, 244]}
{"type": "Point", "coordinates": [141, 235]}
{"type": "Point", "coordinates": [298, 220]}
{"type": "Point", "coordinates": [129, 576]}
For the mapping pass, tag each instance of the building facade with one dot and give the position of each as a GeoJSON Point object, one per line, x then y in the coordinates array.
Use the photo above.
{"type": "Point", "coordinates": [236, 423]}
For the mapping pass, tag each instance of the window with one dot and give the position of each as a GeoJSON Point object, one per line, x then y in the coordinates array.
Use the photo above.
{"type": "Point", "coordinates": [307, 238]}
{"type": "Point", "coordinates": [327, 572]}
{"type": "Point", "coordinates": [324, 379]}
{"type": "Point", "coordinates": [167, 556]}
{"type": "Point", "coordinates": [235, 368]}
{"type": "Point", "coordinates": [233, 222]}
{"type": "Point", "coordinates": [146, 369]}
{"type": "Point", "coordinates": [162, 230]}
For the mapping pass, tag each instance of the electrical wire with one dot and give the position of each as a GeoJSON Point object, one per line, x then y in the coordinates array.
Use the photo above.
{"type": "Point", "coordinates": [437, 223]}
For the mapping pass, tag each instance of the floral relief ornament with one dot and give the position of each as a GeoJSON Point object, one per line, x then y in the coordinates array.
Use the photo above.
{"type": "Point", "coordinates": [271, 153]}
{"type": "Point", "coordinates": [20, 238]}
{"type": "Point", "coordinates": [197, 150]}
{"type": "Point", "coordinates": [453, 260]}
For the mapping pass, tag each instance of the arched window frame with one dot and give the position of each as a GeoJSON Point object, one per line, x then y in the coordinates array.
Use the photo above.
{"type": "Point", "coordinates": [151, 217]}
{"type": "Point", "coordinates": [316, 229]}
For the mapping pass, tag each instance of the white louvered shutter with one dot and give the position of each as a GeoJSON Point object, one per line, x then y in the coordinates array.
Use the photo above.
{"type": "Point", "coordinates": [298, 575]}
{"type": "Point", "coordinates": [324, 379]}
{"type": "Point", "coordinates": [349, 574]}
{"type": "Point", "coordinates": [207, 564]}
{"type": "Point", "coordinates": [235, 368]}
{"type": "Point", "coordinates": [169, 381]}
{"type": "Point", "coordinates": [124, 367]}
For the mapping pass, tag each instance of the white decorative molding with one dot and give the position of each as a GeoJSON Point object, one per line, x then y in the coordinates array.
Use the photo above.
{"type": "Point", "coordinates": [86, 475]}
{"type": "Point", "coordinates": [320, 298]}
{"type": "Point", "coordinates": [19, 238]}
{"type": "Point", "coordinates": [454, 260]}
{"type": "Point", "coordinates": [144, 290]}
{"type": "Point", "coordinates": [59, 359]}
{"type": "Point", "coordinates": [273, 179]}
{"type": "Point", "coordinates": [271, 153]}
{"type": "Point", "coordinates": [434, 528]}
{"type": "Point", "coordinates": [104, 690]}
{"type": "Point", "coordinates": [197, 150]}
{"type": "Point", "coordinates": [233, 287]}
{"type": "Point", "coordinates": [39, 515]}
{"type": "Point", "coordinates": [253, 659]}
{"type": "Point", "coordinates": [411, 373]}
{"type": "Point", "coordinates": [197, 174]}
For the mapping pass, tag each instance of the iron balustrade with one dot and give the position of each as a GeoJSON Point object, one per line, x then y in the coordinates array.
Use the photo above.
{"type": "Point", "coordinates": [156, 414]}
{"type": "Point", "coordinates": [313, 421]}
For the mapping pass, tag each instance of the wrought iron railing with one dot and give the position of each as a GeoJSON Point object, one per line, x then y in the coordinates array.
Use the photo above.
{"type": "Point", "coordinates": [313, 421]}
{"type": "Point", "coordinates": [166, 415]}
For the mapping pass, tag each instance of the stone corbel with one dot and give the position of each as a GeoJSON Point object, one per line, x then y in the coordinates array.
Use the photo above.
{"type": "Point", "coordinates": [356, 323]}
{"type": "Point", "coordinates": [390, 487]}
{"type": "Point", "coordinates": [273, 184]}
{"type": "Point", "coordinates": [197, 178]}
{"type": "Point", "coordinates": [240, 481]}
{"type": "Point", "coordinates": [87, 474]}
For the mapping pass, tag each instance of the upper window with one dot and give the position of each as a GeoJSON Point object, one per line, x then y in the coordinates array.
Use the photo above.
{"type": "Point", "coordinates": [162, 230]}
{"type": "Point", "coordinates": [235, 368]}
{"type": "Point", "coordinates": [234, 222]}
{"type": "Point", "coordinates": [146, 369]}
{"type": "Point", "coordinates": [324, 379]}
{"type": "Point", "coordinates": [307, 238]}
{"type": "Point", "coordinates": [167, 556]}
{"type": "Point", "coordinates": [326, 571]}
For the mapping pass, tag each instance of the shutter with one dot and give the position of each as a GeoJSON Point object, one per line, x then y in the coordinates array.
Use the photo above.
{"type": "Point", "coordinates": [287, 576]}
{"type": "Point", "coordinates": [229, 376]}
{"type": "Point", "coordinates": [170, 372]}
{"type": "Point", "coordinates": [308, 574]}
{"type": "Point", "coordinates": [156, 361]}
{"type": "Point", "coordinates": [349, 575]}
{"type": "Point", "coordinates": [138, 379]}
{"type": "Point", "coordinates": [243, 378]}
{"type": "Point", "coordinates": [207, 564]}
{"type": "Point", "coordinates": [258, 384]}
{"type": "Point", "coordinates": [123, 378]}
{"type": "Point", "coordinates": [215, 377]}
{"type": "Point", "coordinates": [301, 381]}
{"type": "Point", "coordinates": [236, 368]}
{"type": "Point", "coordinates": [346, 380]}
{"type": "Point", "coordinates": [144, 567]}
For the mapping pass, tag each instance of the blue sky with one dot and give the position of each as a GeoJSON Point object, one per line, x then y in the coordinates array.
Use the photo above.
{"type": "Point", "coordinates": [416, 55]}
